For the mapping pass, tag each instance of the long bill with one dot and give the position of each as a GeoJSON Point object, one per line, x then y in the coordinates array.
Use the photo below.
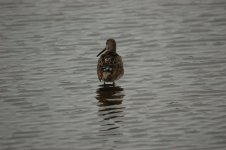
{"type": "Point", "coordinates": [101, 51]}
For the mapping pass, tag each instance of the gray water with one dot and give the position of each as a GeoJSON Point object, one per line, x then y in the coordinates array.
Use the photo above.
{"type": "Point", "coordinates": [172, 96]}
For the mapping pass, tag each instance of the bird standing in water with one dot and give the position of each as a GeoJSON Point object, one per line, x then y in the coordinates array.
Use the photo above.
{"type": "Point", "coordinates": [110, 65]}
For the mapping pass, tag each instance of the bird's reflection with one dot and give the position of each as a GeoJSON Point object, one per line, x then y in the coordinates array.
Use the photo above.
{"type": "Point", "coordinates": [110, 106]}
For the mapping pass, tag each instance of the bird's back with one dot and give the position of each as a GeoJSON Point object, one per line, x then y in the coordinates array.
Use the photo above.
{"type": "Point", "coordinates": [110, 67]}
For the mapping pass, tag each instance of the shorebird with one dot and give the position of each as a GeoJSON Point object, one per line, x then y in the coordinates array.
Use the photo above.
{"type": "Point", "coordinates": [110, 65]}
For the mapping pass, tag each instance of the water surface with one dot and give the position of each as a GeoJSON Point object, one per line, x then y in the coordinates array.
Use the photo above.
{"type": "Point", "coordinates": [172, 95]}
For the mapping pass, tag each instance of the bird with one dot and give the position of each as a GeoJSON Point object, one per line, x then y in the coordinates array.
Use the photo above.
{"type": "Point", "coordinates": [110, 65]}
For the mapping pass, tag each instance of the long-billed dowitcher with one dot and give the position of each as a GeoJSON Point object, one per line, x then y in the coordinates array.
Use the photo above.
{"type": "Point", "coordinates": [110, 65]}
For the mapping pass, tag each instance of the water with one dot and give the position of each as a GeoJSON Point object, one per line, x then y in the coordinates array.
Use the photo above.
{"type": "Point", "coordinates": [172, 95]}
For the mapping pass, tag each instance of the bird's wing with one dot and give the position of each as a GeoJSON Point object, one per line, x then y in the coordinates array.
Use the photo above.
{"type": "Point", "coordinates": [118, 69]}
{"type": "Point", "coordinates": [100, 65]}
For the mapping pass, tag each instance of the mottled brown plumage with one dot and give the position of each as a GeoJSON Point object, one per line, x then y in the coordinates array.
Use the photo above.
{"type": "Point", "coordinates": [110, 65]}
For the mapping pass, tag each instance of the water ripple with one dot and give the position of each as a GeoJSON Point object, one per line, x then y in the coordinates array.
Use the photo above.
{"type": "Point", "coordinates": [172, 95]}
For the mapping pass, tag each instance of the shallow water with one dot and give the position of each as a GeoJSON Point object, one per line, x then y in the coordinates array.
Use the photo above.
{"type": "Point", "coordinates": [172, 95]}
